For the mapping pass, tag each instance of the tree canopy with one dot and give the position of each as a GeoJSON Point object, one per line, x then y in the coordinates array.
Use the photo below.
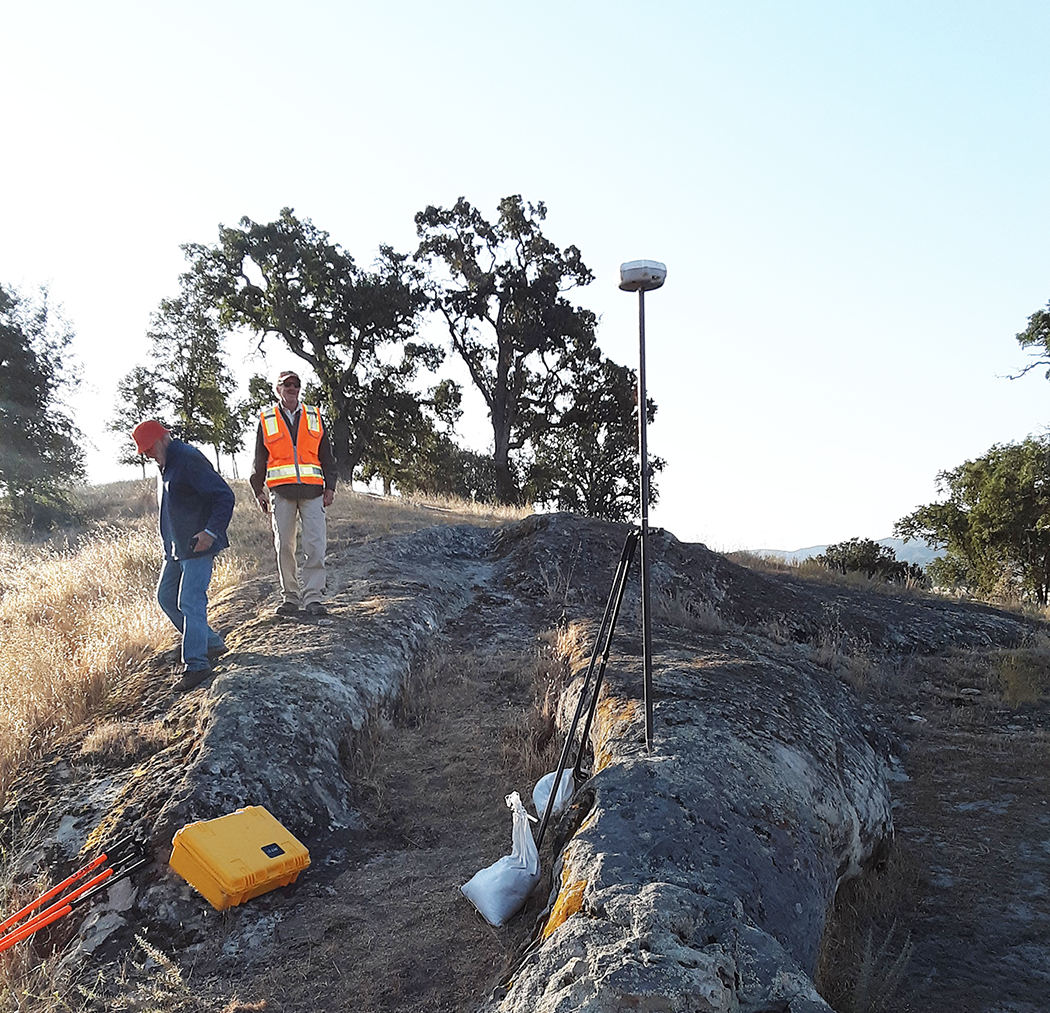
{"type": "Point", "coordinates": [500, 296]}
{"type": "Point", "coordinates": [190, 368]}
{"type": "Point", "coordinates": [564, 420]}
{"type": "Point", "coordinates": [188, 384]}
{"type": "Point", "coordinates": [994, 524]}
{"type": "Point", "coordinates": [1036, 338]}
{"type": "Point", "coordinates": [140, 398]}
{"type": "Point", "coordinates": [40, 452]}
{"type": "Point", "coordinates": [353, 327]}
{"type": "Point", "coordinates": [588, 461]}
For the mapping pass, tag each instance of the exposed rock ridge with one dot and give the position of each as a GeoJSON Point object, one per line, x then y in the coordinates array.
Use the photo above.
{"type": "Point", "coordinates": [700, 876]}
{"type": "Point", "coordinates": [696, 878]}
{"type": "Point", "coordinates": [392, 597]}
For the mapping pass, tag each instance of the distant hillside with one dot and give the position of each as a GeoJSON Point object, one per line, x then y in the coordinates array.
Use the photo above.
{"type": "Point", "coordinates": [913, 552]}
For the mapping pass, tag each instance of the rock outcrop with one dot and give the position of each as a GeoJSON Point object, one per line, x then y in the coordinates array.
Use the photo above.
{"type": "Point", "coordinates": [700, 876]}
{"type": "Point", "coordinates": [697, 877]}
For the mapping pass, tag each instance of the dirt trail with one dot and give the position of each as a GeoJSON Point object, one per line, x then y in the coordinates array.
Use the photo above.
{"type": "Point", "coordinates": [379, 922]}
{"type": "Point", "coordinates": [965, 898]}
{"type": "Point", "coordinates": [974, 820]}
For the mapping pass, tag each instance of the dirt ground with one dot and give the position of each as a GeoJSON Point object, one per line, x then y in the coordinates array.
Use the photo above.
{"type": "Point", "coordinates": [380, 924]}
{"type": "Point", "coordinates": [959, 918]}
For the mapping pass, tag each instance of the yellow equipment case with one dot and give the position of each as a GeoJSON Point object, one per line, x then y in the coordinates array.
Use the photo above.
{"type": "Point", "coordinates": [237, 857]}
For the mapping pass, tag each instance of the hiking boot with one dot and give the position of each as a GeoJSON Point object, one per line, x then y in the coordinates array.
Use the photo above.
{"type": "Point", "coordinates": [217, 651]}
{"type": "Point", "coordinates": [192, 679]}
{"type": "Point", "coordinates": [288, 608]}
{"type": "Point", "coordinates": [315, 608]}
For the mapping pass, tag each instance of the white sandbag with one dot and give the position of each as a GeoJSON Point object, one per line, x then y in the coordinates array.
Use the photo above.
{"type": "Point", "coordinates": [542, 792]}
{"type": "Point", "coordinates": [500, 891]}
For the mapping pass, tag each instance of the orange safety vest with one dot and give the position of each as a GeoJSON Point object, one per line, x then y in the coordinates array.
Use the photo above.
{"type": "Point", "coordinates": [292, 463]}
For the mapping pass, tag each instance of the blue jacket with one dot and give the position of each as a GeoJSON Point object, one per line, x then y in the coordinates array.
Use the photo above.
{"type": "Point", "coordinates": [193, 497]}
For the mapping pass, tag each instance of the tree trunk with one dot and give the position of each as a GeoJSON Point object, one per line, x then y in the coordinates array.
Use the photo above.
{"type": "Point", "coordinates": [339, 436]}
{"type": "Point", "coordinates": [506, 488]}
{"type": "Point", "coordinates": [500, 412]}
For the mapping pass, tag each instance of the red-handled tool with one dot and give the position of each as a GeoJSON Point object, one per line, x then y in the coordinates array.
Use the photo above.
{"type": "Point", "coordinates": [127, 856]}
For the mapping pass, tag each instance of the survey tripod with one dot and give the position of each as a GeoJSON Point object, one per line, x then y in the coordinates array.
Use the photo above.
{"type": "Point", "coordinates": [592, 680]}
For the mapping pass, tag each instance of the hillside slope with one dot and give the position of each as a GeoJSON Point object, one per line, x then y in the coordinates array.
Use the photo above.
{"type": "Point", "coordinates": [387, 738]}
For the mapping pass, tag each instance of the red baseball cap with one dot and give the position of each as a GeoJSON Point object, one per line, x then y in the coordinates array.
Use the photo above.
{"type": "Point", "coordinates": [145, 434]}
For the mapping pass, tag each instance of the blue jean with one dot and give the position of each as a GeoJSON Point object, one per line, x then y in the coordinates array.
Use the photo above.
{"type": "Point", "coordinates": [182, 593]}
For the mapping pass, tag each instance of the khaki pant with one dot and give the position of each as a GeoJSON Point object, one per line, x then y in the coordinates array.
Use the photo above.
{"type": "Point", "coordinates": [300, 585]}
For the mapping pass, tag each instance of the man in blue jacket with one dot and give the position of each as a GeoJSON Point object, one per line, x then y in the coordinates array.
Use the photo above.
{"type": "Point", "coordinates": [195, 510]}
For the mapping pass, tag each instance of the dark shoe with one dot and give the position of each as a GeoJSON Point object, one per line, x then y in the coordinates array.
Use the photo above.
{"type": "Point", "coordinates": [315, 608]}
{"type": "Point", "coordinates": [217, 651]}
{"type": "Point", "coordinates": [288, 608]}
{"type": "Point", "coordinates": [192, 679]}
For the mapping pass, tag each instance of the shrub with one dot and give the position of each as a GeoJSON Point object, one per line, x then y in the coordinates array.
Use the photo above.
{"type": "Point", "coordinates": [862, 555]}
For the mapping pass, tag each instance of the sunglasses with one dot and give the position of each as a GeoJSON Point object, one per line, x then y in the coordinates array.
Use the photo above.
{"type": "Point", "coordinates": [290, 383]}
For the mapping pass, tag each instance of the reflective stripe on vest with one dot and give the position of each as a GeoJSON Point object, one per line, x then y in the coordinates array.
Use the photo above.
{"type": "Point", "coordinates": [269, 421]}
{"type": "Point", "coordinates": [287, 471]}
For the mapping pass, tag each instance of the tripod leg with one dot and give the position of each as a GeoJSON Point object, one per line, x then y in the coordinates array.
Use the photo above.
{"type": "Point", "coordinates": [577, 771]}
{"type": "Point", "coordinates": [612, 608]}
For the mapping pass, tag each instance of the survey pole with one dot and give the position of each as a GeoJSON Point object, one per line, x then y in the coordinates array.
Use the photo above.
{"type": "Point", "coordinates": [641, 276]}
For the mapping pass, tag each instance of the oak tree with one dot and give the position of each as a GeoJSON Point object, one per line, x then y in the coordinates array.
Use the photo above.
{"type": "Point", "coordinates": [994, 523]}
{"type": "Point", "coordinates": [1036, 338]}
{"type": "Point", "coordinates": [587, 459]}
{"type": "Point", "coordinates": [287, 279]}
{"type": "Point", "coordinates": [875, 561]}
{"type": "Point", "coordinates": [499, 288]}
{"type": "Point", "coordinates": [139, 397]}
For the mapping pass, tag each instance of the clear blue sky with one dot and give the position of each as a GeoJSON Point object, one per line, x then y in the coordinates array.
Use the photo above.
{"type": "Point", "coordinates": [851, 199]}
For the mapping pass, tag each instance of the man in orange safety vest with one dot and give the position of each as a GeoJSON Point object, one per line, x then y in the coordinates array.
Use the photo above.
{"type": "Point", "coordinates": [294, 480]}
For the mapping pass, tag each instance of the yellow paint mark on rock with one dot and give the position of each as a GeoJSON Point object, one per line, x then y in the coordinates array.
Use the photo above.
{"type": "Point", "coordinates": [610, 720]}
{"type": "Point", "coordinates": [570, 900]}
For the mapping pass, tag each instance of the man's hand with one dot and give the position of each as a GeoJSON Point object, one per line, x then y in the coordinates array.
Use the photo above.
{"type": "Point", "coordinates": [201, 542]}
{"type": "Point", "coordinates": [329, 495]}
{"type": "Point", "coordinates": [264, 502]}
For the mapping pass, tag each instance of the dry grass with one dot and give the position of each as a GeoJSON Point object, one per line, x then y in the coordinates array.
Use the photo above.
{"type": "Point", "coordinates": [854, 662]}
{"type": "Point", "coordinates": [148, 981]}
{"type": "Point", "coordinates": [1022, 676]}
{"type": "Point", "coordinates": [864, 955]}
{"type": "Point", "coordinates": [124, 741]}
{"type": "Point", "coordinates": [72, 621]}
{"type": "Point", "coordinates": [77, 611]}
{"type": "Point", "coordinates": [389, 515]}
{"type": "Point", "coordinates": [476, 511]}
{"type": "Point", "coordinates": [693, 614]}
{"type": "Point", "coordinates": [809, 569]}
{"type": "Point", "coordinates": [989, 680]}
{"type": "Point", "coordinates": [765, 563]}
{"type": "Point", "coordinates": [530, 743]}
{"type": "Point", "coordinates": [121, 503]}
